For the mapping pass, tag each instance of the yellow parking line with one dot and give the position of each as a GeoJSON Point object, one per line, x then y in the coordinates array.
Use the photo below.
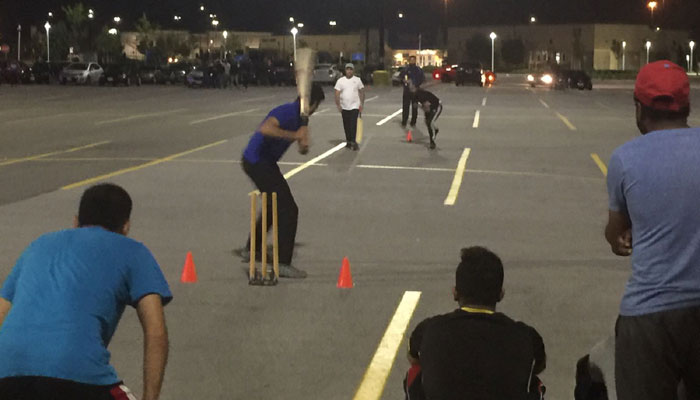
{"type": "Point", "coordinates": [600, 163]}
{"type": "Point", "coordinates": [53, 153]}
{"type": "Point", "coordinates": [457, 181]}
{"type": "Point", "coordinates": [566, 122]}
{"type": "Point", "coordinates": [374, 380]}
{"type": "Point", "coordinates": [138, 167]}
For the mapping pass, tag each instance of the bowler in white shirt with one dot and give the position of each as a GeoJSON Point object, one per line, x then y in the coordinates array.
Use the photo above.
{"type": "Point", "coordinates": [350, 99]}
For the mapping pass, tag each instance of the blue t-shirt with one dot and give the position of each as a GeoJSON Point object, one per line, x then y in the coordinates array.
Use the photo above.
{"type": "Point", "coordinates": [271, 149]}
{"type": "Point", "coordinates": [656, 180]}
{"type": "Point", "coordinates": [68, 291]}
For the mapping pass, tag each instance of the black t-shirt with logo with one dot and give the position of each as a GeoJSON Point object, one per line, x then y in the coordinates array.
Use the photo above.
{"type": "Point", "coordinates": [476, 356]}
{"type": "Point", "coordinates": [422, 96]}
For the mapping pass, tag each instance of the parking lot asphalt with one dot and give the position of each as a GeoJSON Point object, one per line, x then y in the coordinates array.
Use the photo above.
{"type": "Point", "coordinates": [532, 189]}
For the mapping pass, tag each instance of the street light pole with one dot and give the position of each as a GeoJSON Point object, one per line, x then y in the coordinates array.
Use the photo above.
{"type": "Point", "coordinates": [624, 46]}
{"type": "Point", "coordinates": [294, 35]}
{"type": "Point", "coordinates": [692, 46]}
{"type": "Point", "coordinates": [493, 37]}
{"type": "Point", "coordinates": [648, 46]}
{"type": "Point", "coordinates": [19, 41]}
{"type": "Point", "coordinates": [47, 26]}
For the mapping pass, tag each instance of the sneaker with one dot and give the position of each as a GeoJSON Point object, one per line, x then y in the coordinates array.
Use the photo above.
{"type": "Point", "coordinates": [355, 146]}
{"type": "Point", "coordinates": [348, 145]}
{"type": "Point", "coordinates": [403, 125]}
{"type": "Point", "coordinates": [436, 132]}
{"type": "Point", "coordinates": [432, 145]}
{"type": "Point", "coordinates": [413, 125]}
{"type": "Point", "coordinates": [288, 271]}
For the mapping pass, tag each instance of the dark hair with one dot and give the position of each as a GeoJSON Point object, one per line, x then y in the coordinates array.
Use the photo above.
{"type": "Point", "coordinates": [663, 115]}
{"type": "Point", "coordinates": [106, 205]}
{"type": "Point", "coordinates": [479, 277]}
{"type": "Point", "coordinates": [317, 95]}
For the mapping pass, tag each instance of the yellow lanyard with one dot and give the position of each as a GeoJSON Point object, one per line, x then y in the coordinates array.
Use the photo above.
{"type": "Point", "coordinates": [476, 310]}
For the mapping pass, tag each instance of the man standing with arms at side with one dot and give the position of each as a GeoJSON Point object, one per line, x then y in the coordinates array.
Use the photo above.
{"type": "Point", "coordinates": [654, 187]}
{"type": "Point", "coordinates": [412, 75]}
{"type": "Point", "coordinates": [350, 100]}
{"type": "Point", "coordinates": [283, 126]}
{"type": "Point", "coordinates": [61, 304]}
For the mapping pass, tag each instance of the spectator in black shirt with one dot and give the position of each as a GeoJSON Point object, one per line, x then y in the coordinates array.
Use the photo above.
{"type": "Point", "coordinates": [432, 107]}
{"type": "Point", "coordinates": [476, 352]}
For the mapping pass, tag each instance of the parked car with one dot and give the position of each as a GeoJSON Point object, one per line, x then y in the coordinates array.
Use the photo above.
{"type": "Point", "coordinates": [201, 76]}
{"type": "Point", "coordinates": [446, 73]}
{"type": "Point", "coordinates": [470, 72]}
{"type": "Point", "coordinates": [395, 80]}
{"type": "Point", "coordinates": [40, 72]}
{"type": "Point", "coordinates": [283, 73]}
{"type": "Point", "coordinates": [326, 74]}
{"type": "Point", "coordinates": [14, 72]}
{"type": "Point", "coordinates": [120, 74]}
{"type": "Point", "coordinates": [177, 72]}
{"type": "Point", "coordinates": [83, 73]}
{"type": "Point", "coordinates": [153, 74]}
{"type": "Point", "coordinates": [489, 78]}
{"type": "Point", "coordinates": [577, 80]}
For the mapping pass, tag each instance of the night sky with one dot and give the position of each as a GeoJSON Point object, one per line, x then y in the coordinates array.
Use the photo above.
{"type": "Point", "coordinates": [421, 15]}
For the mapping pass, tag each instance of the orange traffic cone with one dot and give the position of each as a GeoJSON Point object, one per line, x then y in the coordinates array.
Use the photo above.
{"type": "Point", "coordinates": [345, 278]}
{"type": "Point", "coordinates": [409, 136]}
{"type": "Point", "coordinates": [189, 273]}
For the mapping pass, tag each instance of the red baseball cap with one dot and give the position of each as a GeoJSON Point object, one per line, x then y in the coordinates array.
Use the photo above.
{"type": "Point", "coordinates": [663, 85]}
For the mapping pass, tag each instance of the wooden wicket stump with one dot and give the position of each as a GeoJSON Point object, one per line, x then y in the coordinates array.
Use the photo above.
{"type": "Point", "coordinates": [255, 277]}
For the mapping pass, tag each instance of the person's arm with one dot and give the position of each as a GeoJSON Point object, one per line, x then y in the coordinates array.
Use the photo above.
{"type": "Point", "coordinates": [421, 76]}
{"type": "Point", "coordinates": [4, 309]}
{"type": "Point", "coordinates": [618, 233]}
{"type": "Point", "coordinates": [155, 344]}
{"type": "Point", "coordinates": [362, 99]}
{"type": "Point", "coordinates": [540, 354]}
{"type": "Point", "coordinates": [337, 99]}
{"type": "Point", "coordinates": [271, 127]}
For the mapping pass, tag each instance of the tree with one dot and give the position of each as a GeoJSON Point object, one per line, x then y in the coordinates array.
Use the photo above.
{"type": "Point", "coordinates": [146, 32]}
{"type": "Point", "coordinates": [479, 49]}
{"type": "Point", "coordinates": [59, 41]}
{"type": "Point", "coordinates": [109, 47]}
{"type": "Point", "coordinates": [513, 51]}
{"type": "Point", "coordinates": [77, 25]}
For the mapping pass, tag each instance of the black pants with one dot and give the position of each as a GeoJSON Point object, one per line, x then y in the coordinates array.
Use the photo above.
{"type": "Point", "coordinates": [350, 124]}
{"type": "Point", "coordinates": [430, 119]}
{"type": "Point", "coordinates": [268, 178]}
{"type": "Point", "coordinates": [409, 101]}
{"type": "Point", "coordinates": [654, 353]}
{"type": "Point", "coordinates": [42, 388]}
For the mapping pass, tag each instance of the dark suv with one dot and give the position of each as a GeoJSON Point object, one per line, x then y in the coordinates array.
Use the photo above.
{"type": "Point", "coordinates": [469, 72]}
{"type": "Point", "coordinates": [124, 74]}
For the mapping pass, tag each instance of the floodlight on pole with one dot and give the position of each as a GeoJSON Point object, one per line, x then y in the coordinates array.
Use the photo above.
{"type": "Point", "coordinates": [294, 32]}
{"type": "Point", "coordinates": [291, 19]}
{"type": "Point", "coordinates": [300, 25]}
{"type": "Point", "coordinates": [201, 8]}
{"type": "Point", "coordinates": [113, 31]}
{"type": "Point", "coordinates": [652, 6]}
{"type": "Point", "coordinates": [493, 37]}
{"type": "Point", "coordinates": [648, 47]}
{"type": "Point", "coordinates": [624, 46]}
{"type": "Point", "coordinates": [332, 23]}
{"type": "Point", "coordinates": [47, 26]}
{"type": "Point", "coordinates": [215, 23]}
{"type": "Point", "coordinates": [533, 20]}
{"type": "Point", "coordinates": [400, 15]}
{"type": "Point", "coordinates": [50, 14]}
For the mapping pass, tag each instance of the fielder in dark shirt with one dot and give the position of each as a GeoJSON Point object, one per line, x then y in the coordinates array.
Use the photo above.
{"type": "Point", "coordinates": [432, 107]}
{"type": "Point", "coordinates": [476, 352]}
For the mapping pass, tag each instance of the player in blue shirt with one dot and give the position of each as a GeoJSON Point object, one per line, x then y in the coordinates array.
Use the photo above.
{"type": "Point", "coordinates": [61, 304]}
{"type": "Point", "coordinates": [283, 126]}
{"type": "Point", "coordinates": [412, 76]}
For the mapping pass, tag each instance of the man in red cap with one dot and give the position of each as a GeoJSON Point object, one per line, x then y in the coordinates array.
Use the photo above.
{"type": "Point", "coordinates": [654, 190]}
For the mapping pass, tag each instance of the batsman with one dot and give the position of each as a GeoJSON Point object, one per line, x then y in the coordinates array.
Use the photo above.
{"type": "Point", "coordinates": [283, 126]}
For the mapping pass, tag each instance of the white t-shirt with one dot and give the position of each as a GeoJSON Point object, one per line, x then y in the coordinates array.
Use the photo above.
{"type": "Point", "coordinates": [349, 92]}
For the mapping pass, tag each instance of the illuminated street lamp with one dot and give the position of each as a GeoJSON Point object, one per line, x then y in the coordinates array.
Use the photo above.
{"type": "Point", "coordinates": [47, 26]}
{"type": "Point", "coordinates": [225, 35]}
{"type": "Point", "coordinates": [300, 25]}
{"type": "Point", "coordinates": [624, 46]}
{"type": "Point", "coordinates": [201, 8]}
{"type": "Point", "coordinates": [177, 18]}
{"type": "Point", "coordinates": [533, 20]}
{"type": "Point", "coordinates": [400, 15]}
{"type": "Point", "coordinates": [692, 46]}
{"type": "Point", "coordinates": [215, 23]}
{"type": "Point", "coordinates": [117, 19]}
{"type": "Point", "coordinates": [652, 6]}
{"type": "Point", "coordinates": [332, 23]}
{"type": "Point", "coordinates": [91, 14]}
{"type": "Point", "coordinates": [113, 31]}
{"type": "Point", "coordinates": [50, 14]}
{"type": "Point", "coordinates": [493, 37]}
{"type": "Point", "coordinates": [648, 46]}
{"type": "Point", "coordinates": [291, 19]}
{"type": "Point", "coordinates": [294, 35]}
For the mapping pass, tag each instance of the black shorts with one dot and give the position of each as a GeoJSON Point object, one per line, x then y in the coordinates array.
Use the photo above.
{"type": "Point", "coordinates": [43, 388]}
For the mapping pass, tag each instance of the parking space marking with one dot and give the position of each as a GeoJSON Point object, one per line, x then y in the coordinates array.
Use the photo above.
{"type": "Point", "coordinates": [401, 168]}
{"type": "Point", "coordinates": [142, 166]}
{"type": "Point", "coordinates": [322, 111]}
{"type": "Point", "coordinates": [222, 116]}
{"type": "Point", "coordinates": [53, 153]}
{"type": "Point", "coordinates": [483, 102]}
{"type": "Point", "coordinates": [600, 163]}
{"type": "Point", "coordinates": [389, 118]}
{"type": "Point", "coordinates": [371, 99]}
{"type": "Point", "coordinates": [566, 122]}
{"type": "Point", "coordinates": [374, 380]}
{"type": "Point", "coordinates": [313, 161]}
{"type": "Point", "coordinates": [543, 103]}
{"type": "Point", "coordinates": [254, 99]}
{"type": "Point", "coordinates": [477, 115]}
{"type": "Point", "coordinates": [451, 198]}
{"type": "Point", "coordinates": [139, 116]}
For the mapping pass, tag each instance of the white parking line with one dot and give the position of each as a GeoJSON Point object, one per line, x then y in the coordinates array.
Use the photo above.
{"type": "Point", "coordinates": [254, 99]}
{"type": "Point", "coordinates": [313, 161]}
{"type": "Point", "coordinates": [544, 104]}
{"type": "Point", "coordinates": [483, 102]}
{"type": "Point", "coordinates": [222, 116]}
{"type": "Point", "coordinates": [138, 116]}
{"type": "Point", "coordinates": [372, 99]}
{"type": "Point", "coordinates": [389, 118]}
{"type": "Point", "coordinates": [377, 372]}
{"type": "Point", "coordinates": [477, 116]}
{"type": "Point", "coordinates": [322, 111]}
{"type": "Point", "coordinates": [457, 181]}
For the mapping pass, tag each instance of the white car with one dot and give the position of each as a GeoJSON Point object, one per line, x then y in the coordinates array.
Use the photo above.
{"type": "Point", "coordinates": [326, 74]}
{"type": "Point", "coordinates": [83, 73]}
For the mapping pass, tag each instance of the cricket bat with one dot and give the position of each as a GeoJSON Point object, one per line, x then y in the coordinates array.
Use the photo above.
{"type": "Point", "coordinates": [360, 128]}
{"type": "Point", "coordinates": [304, 69]}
